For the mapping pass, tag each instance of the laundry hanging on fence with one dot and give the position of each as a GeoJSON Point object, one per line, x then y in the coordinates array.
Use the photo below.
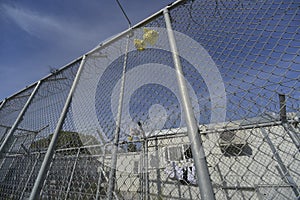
{"type": "Point", "coordinates": [181, 171]}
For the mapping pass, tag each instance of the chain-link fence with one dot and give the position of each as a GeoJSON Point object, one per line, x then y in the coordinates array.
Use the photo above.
{"type": "Point", "coordinates": [201, 100]}
{"type": "Point", "coordinates": [27, 140]}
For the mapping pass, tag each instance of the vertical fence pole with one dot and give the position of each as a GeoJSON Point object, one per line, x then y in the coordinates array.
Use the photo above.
{"type": "Point", "coordinates": [102, 172]}
{"type": "Point", "coordinates": [49, 154]}
{"type": "Point", "coordinates": [159, 187]}
{"type": "Point", "coordinates": [112, 174]}
{"type": "Point", "coordinates": [4, 134]}
{"type": "Point", "coordinates": [281, 165]}
{"type": "Point", "coordinates": [283, 117]}
{"type": "Point", "coordinates": [72, 173]}
{"type": "Point", "coordinates": [282, 108]}
{"type": "Point", "coordinates": [9, 137]}
{"type": "Point", "coordinates": [292, 132]}
{"type": "Point", "coordinates": [30, 175]}
{"type": "Point", "coordinates": [145, 168]}
{"type": "Point", "coordinates": [2, 103]}
{"type": "Point", "coordinates": [203, 178]}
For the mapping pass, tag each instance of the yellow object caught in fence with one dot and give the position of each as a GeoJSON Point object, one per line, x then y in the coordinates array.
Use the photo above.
{"type": "Point", "coordinates": [149, 37]}
{"type": "Point", "coordinates": [139, 44]}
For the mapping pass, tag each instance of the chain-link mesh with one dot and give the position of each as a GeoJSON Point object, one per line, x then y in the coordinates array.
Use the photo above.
{"type": "Point", "coordinates": [10, 111]}
{"type": "Point", "coordinates": [22, 159]}
{"type": "Point", "coordinates": [8, 114]}
{"type": "Point", "coordinates": [249, 114]}
{"type": "Point", "coordinates": [87, 130]}
{"type": "Point", "coordinates": [125, 134]}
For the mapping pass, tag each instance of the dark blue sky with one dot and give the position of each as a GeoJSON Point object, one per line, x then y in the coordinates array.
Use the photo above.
{"type": "Point", "coordinates": [39, 35]}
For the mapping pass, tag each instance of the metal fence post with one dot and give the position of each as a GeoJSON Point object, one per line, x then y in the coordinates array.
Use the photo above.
{"type": "Point", "coordinates": [2, 103]}
{"type": "Point", "coordinates": [281, 165]}
{"type": "Point", "coordinates": [145, 168]}
{"type": "Point", "coordinates": [49, 154]}
{"type": "Point", "coordinates": [4, 134]}
{"type": "Point", "coordinates": [203, 178]}
{"type": "Point", "coordinates": [159, 185]}
{"type": "Point", "coordinates": [283, 117]}
{"type": "Point", "coordinates": [72, 173]}
{"type": "Point", "coordinates": [9, 137]}
{"type": "Point", "coordinates": [30, 174]}
{"type": "Point", "coordinates": [112, 174]}
{"type": "Point", "coordinates": [292, 132]}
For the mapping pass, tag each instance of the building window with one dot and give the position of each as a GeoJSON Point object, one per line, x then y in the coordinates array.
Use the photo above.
{"type": "Point", "coordinates": [178, 152]}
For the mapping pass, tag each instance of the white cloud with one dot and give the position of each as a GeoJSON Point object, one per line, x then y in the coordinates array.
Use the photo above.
{"type": "Point", "coordinates": [50, 28]}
